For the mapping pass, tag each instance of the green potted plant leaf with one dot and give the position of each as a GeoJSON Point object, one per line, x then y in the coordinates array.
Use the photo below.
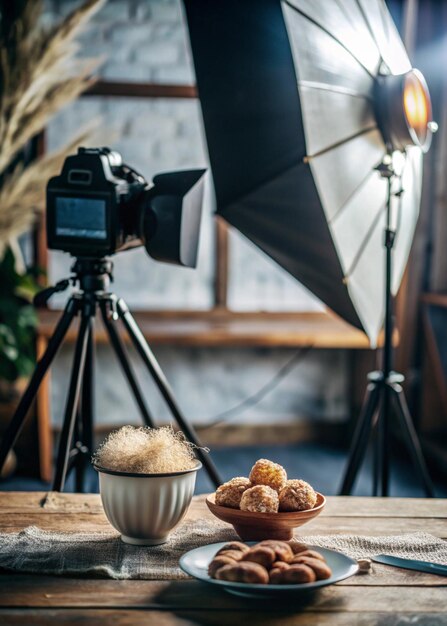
{"type": "Point", "coordinates": [18, 320]}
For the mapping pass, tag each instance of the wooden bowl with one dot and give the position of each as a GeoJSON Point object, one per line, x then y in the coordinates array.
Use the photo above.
{"type": "Point", "coordinates": [257, 526]}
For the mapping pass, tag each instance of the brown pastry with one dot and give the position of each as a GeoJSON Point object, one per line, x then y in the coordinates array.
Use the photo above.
{"type": "Point", "coordinates": [297, 547]}
{"type": "Point", "coordinates": [260, 499]}
{"type": "Point", "coordinates": [236, 555]}
{"type": "Point", "coordinates": [263, 555]}
{"type": "Point", "coordinates": [233, 545]}
{"type": "Point", "coordinates": [244, 572]}
{"type": "Point", "coordinates": [299, 573]}
{"type": "Point", "coordinates": [312, 553]}
{"type": "Point", "coordinates": [282, 549]}
{"type": "Point", "coordinates": [297, 495]}
{"type": "Point", "coordinates": [281, 565]}
{"type": "Point", "coordinates": [218, 562]}
{"type": "Point", "coordinates": [275, 576]}
{"type": "Point", "coordinates": [229, 494]}
{"type": "Point", "coordinates": [265, 472]}
{"type": "Point", "coordinates": [271, 561]}
{"type": "Point", "coordinates": [321, 569]}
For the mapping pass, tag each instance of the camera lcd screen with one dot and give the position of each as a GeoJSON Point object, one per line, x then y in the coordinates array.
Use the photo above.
{"type": "Point", "coordinates": [81, 217]}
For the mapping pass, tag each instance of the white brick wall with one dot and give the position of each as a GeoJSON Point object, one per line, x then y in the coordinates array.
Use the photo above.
{"type": "Point", "coordinates": [207, 382]}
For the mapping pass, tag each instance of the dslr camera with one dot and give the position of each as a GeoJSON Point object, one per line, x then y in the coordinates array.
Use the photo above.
{"type": "Point", "coordinates": [98, 206]}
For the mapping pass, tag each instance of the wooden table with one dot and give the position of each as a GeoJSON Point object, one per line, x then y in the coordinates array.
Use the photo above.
{"type": "Point", "coordinates": [386, 596]}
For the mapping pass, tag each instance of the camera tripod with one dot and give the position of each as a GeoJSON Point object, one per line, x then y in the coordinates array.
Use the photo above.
{"type": "Point", "coordinates": [384, 391]}
{"type": "Point", "coordinates": [93, 276]}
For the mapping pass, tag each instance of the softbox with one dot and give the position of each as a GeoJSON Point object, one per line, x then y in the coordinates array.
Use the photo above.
{"type": "Point", "coordinates": [289, 93]}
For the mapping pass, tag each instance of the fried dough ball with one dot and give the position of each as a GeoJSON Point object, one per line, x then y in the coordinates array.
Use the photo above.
{"type": "Point", "coordinates": [229, 494]}
{"type": "Point", "coordinates": [260, 499]}
{"type": "Point", "coordinates": [265, 472]}
{"type": "Point", "coordinates": [245, 572]}
{"type": "Point", "coordinates": [297, 495]}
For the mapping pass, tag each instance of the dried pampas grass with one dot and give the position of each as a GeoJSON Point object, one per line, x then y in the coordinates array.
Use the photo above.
{"type": "Point", "coordinates": [39, 74]}
{"type": "Point", "coordinates": [146, 451]}
{"type": "Point", "coordinates": [22, 195]}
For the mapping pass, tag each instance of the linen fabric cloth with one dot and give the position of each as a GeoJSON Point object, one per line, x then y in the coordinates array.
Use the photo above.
{"type": "Point", "coordinates": [104, 554]}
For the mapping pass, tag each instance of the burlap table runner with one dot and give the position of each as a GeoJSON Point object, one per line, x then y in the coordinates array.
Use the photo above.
{"type": "Point", "coordinates": [104, 554]}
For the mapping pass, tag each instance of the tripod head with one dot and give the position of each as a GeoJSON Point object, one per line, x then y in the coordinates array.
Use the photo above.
{"type": "Point", "coordinates": [93, 276]}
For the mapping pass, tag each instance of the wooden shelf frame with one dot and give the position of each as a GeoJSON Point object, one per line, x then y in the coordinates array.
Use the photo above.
{"type": "Point", "coordinates": [222, 329]}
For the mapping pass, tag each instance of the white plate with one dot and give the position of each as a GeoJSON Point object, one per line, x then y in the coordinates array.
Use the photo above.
{"type": "Point", "coordinates": [195, 563]}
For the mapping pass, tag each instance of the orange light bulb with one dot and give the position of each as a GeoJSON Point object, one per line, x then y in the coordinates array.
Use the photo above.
{"type": "Point", "coordinates": [417, 105]}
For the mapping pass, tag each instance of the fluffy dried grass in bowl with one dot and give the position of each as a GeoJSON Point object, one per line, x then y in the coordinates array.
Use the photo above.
{"type": "Point", "coordinates": [145, 450]}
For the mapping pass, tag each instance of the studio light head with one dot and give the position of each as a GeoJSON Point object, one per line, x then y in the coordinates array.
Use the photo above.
{"type": "Point", "coordinates": [404, 110]}
{"type": "Point", "coordinates": [98, 206]}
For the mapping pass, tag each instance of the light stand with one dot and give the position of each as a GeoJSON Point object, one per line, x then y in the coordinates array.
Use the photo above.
{"type": "Point", "coordinates": [93, 276]}
{"type": "Point", "coordinates": [384, 391]}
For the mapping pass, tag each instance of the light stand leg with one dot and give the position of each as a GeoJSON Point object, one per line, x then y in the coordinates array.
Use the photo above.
{"type": "Point", "coordinates": [77, 373]}
{"type": "Point", "coordinates": [123, 359]}
{"type": "Point", "coordinates": [360, 439]}
{"type": "Point", "coordinates": [160, 380]}
{"type": "Point", "coordinates": [42, 366]}
{"type": "Point", "coordinates": [377, 439]}
{"type": "Point", "coordinates": [385, 434]}
{"type": "Point", "coordinates": [387, 387]}
{"type": "Point", "coordinates": [413, 443]}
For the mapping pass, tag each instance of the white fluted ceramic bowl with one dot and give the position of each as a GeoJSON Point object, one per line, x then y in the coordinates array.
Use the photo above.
{"type": "Point", "coordinates": [144, 508]}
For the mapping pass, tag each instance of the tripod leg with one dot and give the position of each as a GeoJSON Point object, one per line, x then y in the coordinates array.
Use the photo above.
{"type": "Point", "coordinates": [72, 405]}
{"type": "Point", "coordinates": [163, 385]}
{"type": "Point", "coordinates": [120, 352]}
{"type": "Point", "coordinates": [75, 461]}
{"type": "Point", "coordinates": [360, 439]}
{"type": "Point", "coordinates": [413, 443]}
{"type": "Point", "coordinates": [42, 366]}
{"type": "Point", "coordinates": [85, 418]}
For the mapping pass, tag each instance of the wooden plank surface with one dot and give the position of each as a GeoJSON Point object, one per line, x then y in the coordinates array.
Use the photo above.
{"type": "Point", "coordinates": [189, 596]}
{"type": "Point", "coordinates": [320, 526]}
{"type": "Point", "coordinates": [342, 515]}
{"type": "Point", "coordinates": [208, 618]}
{"type": "Point", "coordinates": [375, 598]}
{"type": "Point", "coordinates": [344, 506]}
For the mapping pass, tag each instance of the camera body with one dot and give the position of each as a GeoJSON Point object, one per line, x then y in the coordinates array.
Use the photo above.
{"type": "Point", "coordinates": [99, 206]}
